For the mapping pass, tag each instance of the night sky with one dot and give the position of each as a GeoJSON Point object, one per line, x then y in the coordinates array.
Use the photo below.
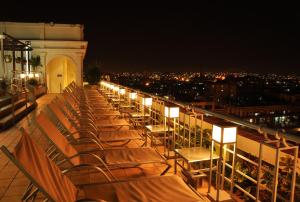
{"type": "Point", "coordinates": [210, 37]}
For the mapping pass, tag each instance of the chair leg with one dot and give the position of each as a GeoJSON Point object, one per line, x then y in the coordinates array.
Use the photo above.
{"type": "Point", "coordinates": [166, 170]}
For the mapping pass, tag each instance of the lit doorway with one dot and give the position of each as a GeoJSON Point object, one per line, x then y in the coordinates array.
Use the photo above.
{"type": "Point", "coordinates": [61, 71]}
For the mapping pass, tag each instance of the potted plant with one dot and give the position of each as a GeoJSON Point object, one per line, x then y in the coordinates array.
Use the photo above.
{"type": "Point", "coordinates": [32, 85]}
{"type": "Point", "coordinates": [35, 62]}
{"type": "Point", "coordinates": [18, 60]}
{"type": "Point", "coordinates": [24, 61]}
{"type": "Point", "coordinates": [32, 82]}
{"type": "Point", "coordinates": [93, 75]}
{"type": "Point", "coordinates": [21, 60]}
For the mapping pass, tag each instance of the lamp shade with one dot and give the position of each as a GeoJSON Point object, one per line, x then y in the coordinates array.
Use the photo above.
{"type": "Point", "coordinates": [122, 91]}
{"type": "Point", "coordinates": [147, 101]}
{"type": "Point", "coordinates": [132, 96]}
{"type": "Point", "coordinates": [111, 86]}
{"type": "Point", "coordinates": [36, 75]}
{"type": "Point", "coordinates": [171, 112]}
{"type": "Point", "coordinates": [116, 88]}
{"type": "Point", "coordinates": [103, 83]}
{"type": "Point", "coordinates": [30, 75]}
{"type": "Point", "coordinates": [224, 134]}
{"type": "Point", "coordinates": [22, 76]}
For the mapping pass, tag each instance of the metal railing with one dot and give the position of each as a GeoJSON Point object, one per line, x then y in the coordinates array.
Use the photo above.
{"type": "Point", "coordinates": [275, 144]}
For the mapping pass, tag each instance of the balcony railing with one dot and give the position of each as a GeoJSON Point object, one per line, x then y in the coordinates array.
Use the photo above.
{"type": "Point", "coordinates": [265, 165]}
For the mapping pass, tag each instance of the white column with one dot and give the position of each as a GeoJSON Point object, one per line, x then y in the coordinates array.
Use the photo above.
{"type": "Point", "coordinates": [2, 69]}
{"type": "Point", "coordinates": [44, 63]}
{"type": "Point", "coordinates": [79, 70]}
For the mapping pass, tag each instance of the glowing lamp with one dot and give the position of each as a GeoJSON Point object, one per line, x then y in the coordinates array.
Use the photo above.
{"type": "Point", "coordinates": [132, 96]}
{"type": "Point", "coordinates": [111, 87]}
{"type": "Point", "coordinates": [116, 88]}
{"type": "Point", "coordinates": [147, 101]}
{"type": "Point", "coordinates": [36, 75]}
{"type": "Point", "coordinates": [30, 75]}
{"type": "Point", "coordinates": [171, 111]}
{"type": "Point", "coordinates": [224, 134]}
{"type": "Point", "coordinates": [7, 58]}
{"type": "Point", "coordinates": [122, 91]}
{"type": "Point", "coordinates": [22, 76]}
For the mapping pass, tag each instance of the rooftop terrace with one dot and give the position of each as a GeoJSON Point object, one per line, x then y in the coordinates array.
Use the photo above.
{"type": "Point", "coordinates": [261, 157]}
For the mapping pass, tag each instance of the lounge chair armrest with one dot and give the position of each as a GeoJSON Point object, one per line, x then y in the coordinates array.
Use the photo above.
{"type": "Point", "coordinates": [83, 153]}
{"type": "Point", "coordinates": [101, 162]}
{"type": "Point", "coordinates": [94, 136]}
{"type": "Point", "coordinates": [86, 119]}
{"type": "Point", "coordinates": [88, 132]}
{"type": "Point", "coordinates": [91, 140]}
{"type": "Point", "coordinates": [88, 166]}
{"type": "Point", "coordinates": [85, 129]}
{"type": "Point", "coordinates": [92, 125]}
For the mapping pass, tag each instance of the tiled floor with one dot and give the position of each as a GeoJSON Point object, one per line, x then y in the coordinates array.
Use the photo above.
{"type": "Point", "coordinates": [13, 183]}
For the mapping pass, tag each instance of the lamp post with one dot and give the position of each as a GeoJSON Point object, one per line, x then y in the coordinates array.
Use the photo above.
{"type": "Point", "coordinates": [2, 37]}
{"type": "Point", "coordinates": [122, 92]}
{"type": "Point", "coordinates": [132, 97]}
{"type": "Point", "coordinates": [146, 102]}
{"type": "Point", "coordinates": [116, 96]}
{"type": "Point", "coordinates": [223, 134]}
{"type": "Point", "coordinates": [171, 112]}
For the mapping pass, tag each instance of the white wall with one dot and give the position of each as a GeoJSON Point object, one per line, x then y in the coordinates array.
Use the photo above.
{"type": "Point", "coordinates": [43, 31]}
{"type": "Point", "coordinates": [50, 41]}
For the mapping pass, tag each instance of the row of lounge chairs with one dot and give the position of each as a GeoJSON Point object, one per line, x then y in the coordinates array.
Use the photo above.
{"type": "Point", "coordinates": [72, 124]}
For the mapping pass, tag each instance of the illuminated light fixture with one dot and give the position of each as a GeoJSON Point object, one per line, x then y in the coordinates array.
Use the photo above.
{"type": "Point", "coordinates": [105, 84]}
{"type": "Point", "coordinates": [110, 86]}
{"type": "Point", "coordinates": [171, 111]}
{"type": "Point", "coordinates": [132, 95]}
{"type": "Point", "coordinates": [147, 101]}
{"type": "Point", "coordinates": [224, 134]}
{"type": "Point", "coordinates": [116, 88]}
{"type": "Point", "coordinates": [22, 76]}
{"type": "Point", "coordinates": [36, 75]}
{"type": "Point", "coordinates": [30, 75]}
{"type": "Point", "coordinates": [7, 58]}
{"type": "Point", "coordinates": [122, 91]}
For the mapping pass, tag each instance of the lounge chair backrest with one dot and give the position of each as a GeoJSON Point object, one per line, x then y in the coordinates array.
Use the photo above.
{"type": "Point", "coordinates": [67, 112]}
{"type": "Point", "coordinates": [35, 164]}
{"type": "Point", "coordinates": [63, 107]}
{"type": "Point", "coordinates": [58, 139]}
{"type": "Point", "coordinates": [63, 119]}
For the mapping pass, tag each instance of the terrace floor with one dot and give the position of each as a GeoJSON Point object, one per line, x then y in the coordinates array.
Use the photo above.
{"type": "Point", "coordinates": [13, 183]}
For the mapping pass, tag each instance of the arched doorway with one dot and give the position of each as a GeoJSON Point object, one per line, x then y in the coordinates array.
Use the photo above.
{"type": "Point", "coordinates": [61, 71]}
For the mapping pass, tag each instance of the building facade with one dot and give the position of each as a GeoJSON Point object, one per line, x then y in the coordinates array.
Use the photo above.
{"type": "Point", "coordinates": [61, 48]}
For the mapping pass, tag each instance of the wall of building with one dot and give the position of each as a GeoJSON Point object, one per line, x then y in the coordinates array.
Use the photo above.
{"type": "Point", "coordinates": [43, 31]}
{"type": "Point", "coordinates": [51, 41]}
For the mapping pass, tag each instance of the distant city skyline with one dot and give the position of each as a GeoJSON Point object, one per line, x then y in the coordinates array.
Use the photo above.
{"type": "Point", "coordinates": [214, 37]}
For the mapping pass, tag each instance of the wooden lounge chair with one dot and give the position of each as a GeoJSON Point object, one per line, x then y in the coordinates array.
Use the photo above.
{"type": "Point", "coordinates": [55, 186]}
{"type": "Point", "coordinates": [82, 115]}
{"type": "Point", "coordinates": [107, 137]}
{"type": "Point", "coordinates": [109, 158]}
